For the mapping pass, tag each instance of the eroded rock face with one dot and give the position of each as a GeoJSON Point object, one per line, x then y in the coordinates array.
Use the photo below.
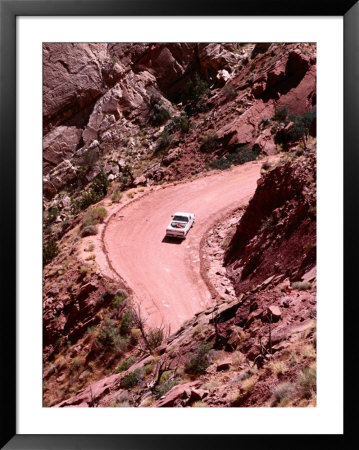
{"type": "Point", "coordinates": [277, 233]}
{"type": "Point", "coordinates": [59, 144]}
{"type": "Point", "coordinates": [72, 80]}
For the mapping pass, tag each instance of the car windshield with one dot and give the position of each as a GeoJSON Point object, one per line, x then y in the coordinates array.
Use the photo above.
{"type": "Point", "coordinates": [180, 219]}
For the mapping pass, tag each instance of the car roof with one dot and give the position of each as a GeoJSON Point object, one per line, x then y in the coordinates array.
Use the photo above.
{"type": "Point", "coordinates": [181, 214]}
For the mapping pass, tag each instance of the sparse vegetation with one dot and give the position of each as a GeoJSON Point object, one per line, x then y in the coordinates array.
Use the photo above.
{"type": "Point", "coordinates": [281, 113]}
{"type": "Point", "coordinates": [94, 216]}
{"type": "Point", "coordinates": [109, 337]}
{"type": "Point", "coordinates": [131, 379]}
{"type": "Point", "coordinates": [126, 322]}
{"type": "Point", "coordinates": [50, 250]}
{"type": "Point", "coordinates": [301, 285]}
{"type": "Point", "coordinates": [285, 390]}
{"type": "Point", "coordinates": [239, 155]}
{"type": "Point", "coordinates": [164, 387]}
{"type": "Point", "coordinates": [209, 142]}
{"type": "Point", "coordinates": [93, 194]}
{"type": "Point", "coordinates": [125, 364]}
{"type": "Point", "coordinates": [229, 92]}
{"type": "Point", "coordinates": [298, 131]}
{"type": "Point", "coordinates": [199, 360]}
{"type": "Point", "coordinates": [196, 90]}
{"type": "Point", "coordinates": [90, 230]}
{"type": "Point", "coordinates": [160, 115]}
{"type": "Point", "coordinates": [155, 338]}
{"type": "Point", "coordinates": [116, 196]}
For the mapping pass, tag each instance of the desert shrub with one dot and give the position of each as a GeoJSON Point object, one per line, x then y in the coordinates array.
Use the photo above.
{"type": "Point", "coordinates": [301, 285]}
{"type": "Point", "coordinates": [116, 196]}
{"type": "Point", "coordinates": [126, 322]}
{"type": "Point", "coordinates": [124, 365]}
{"type": "Point", "coordinates": [183, 123]}
{"type": "Point", "coordinates": [283, 390]}
{"type": "Point", "coordinates": [196, 89]}
{"type": "Point", "coordinates": [135, 335]}
{"type": "Point", "coordinates": [126, 178]}
{"type": "Point", "coordinates": [164, 143]}
{"type": "Point", "coordinates": [229, 92]}
{"type": "Point", "coordinates": [209, 142]}
{"type": "Point", "coordinates": [160, 116]}
{"type": "Point", "coordinates": [306, 382]}
{"type": "Point", "coordinates": [52, 214]}
{"type": "Point", "coordinates": [90, 230]}
{"type": "Point", "coordinates": [239, 155]}
{"type": "Point", "coordinates": [94, 193]}
{"type": "Point", "coordinates": [163, 388]}
{"type": "Point", "coordinates": [84, 270]}
{"type": "Point", "coordinates": [120, 343]}
{"type": "Point", "coordinates": [118, 300]}
{"type": "Point", "coordinates": [154, 338]}
{"type": "Point", "coordinates": [281, 113]}
{"type": "Point", "coordinates": [199, 360]}
{"type": "Point", "coordinates": [109, 337]}
{"type": "Point", "coordinates": [49, 251]}
{"type": "Point", "coordinates": [148, 368]}
{"type": "Point", "coordinates": [131, 379]}
{"type": "Point", "coordinates": [299, 131]}
{"type": "Point", "coordinates": [95, 216]}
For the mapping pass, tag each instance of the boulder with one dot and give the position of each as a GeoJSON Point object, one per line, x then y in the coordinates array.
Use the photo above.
{"type": "Point", "coordinates": [59, 144]}
{"type": "Point", "coordinates": [275, 312]}
{"type": "Point", "coordinates": [179, 394]}
{"type": "Point", "coordinates": [224, 365]}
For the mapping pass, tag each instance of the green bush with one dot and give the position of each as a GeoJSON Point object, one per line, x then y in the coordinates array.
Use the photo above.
{"type": "Point", "coordinates": [118, 300]}
{"type": "Point", "coordinates": [95, 192]}
{"type": "Point", "coordinates": [164, 143]}
{"type": "Point", "coordinates": [126, 322]}
{"type": "Point", "coordinates": [109, 337]}
{"type": "Point", "coordinates": [125, 364]}
{"type": "Point", "coordinates": [163, 388]}
{"type": "Point", "coordinates": [116, 196]}
{"type": "Point", "coordinates": [49, 251]}
{"type": "Point", "coordinates": [239, 155]}
{"type": "Point", "coordinates": [199, 360]}
{"type": "Point", "coordinates": [196, 89]}
{"type": "Point", "coordinates": [160, 116]}
{"type": "Point", "coordinates": [281, 113]}
{"type": "Point", "coordinates": [95, 216]}
{"type": "Point", "coordinates": [131, 379]}
{"type": "Point", "coordinates": [52, 214]}
{"type": "Point", "coordinates": [299, 131]}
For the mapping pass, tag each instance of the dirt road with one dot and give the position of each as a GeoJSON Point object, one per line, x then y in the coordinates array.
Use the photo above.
{"type": "Point", "coordinates": [165, 274]}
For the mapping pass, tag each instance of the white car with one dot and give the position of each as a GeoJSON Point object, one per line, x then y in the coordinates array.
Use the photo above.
{"type": "Point", "coordinates": [180, 225]}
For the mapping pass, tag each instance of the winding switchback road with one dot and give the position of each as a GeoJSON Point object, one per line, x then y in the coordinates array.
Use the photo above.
{"type": "Point", "coordinates": [165, 274]}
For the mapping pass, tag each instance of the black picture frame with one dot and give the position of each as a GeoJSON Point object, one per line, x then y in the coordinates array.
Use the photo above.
{"type": "Point", "coordinates": [9, 10]}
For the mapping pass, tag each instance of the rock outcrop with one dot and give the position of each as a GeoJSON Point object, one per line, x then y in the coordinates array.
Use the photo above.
{"type": "Point", "coordinates": [277, 233]}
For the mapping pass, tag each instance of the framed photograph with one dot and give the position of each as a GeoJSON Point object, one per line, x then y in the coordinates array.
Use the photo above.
{"type": "Point", "coordinates": [170, 173]}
